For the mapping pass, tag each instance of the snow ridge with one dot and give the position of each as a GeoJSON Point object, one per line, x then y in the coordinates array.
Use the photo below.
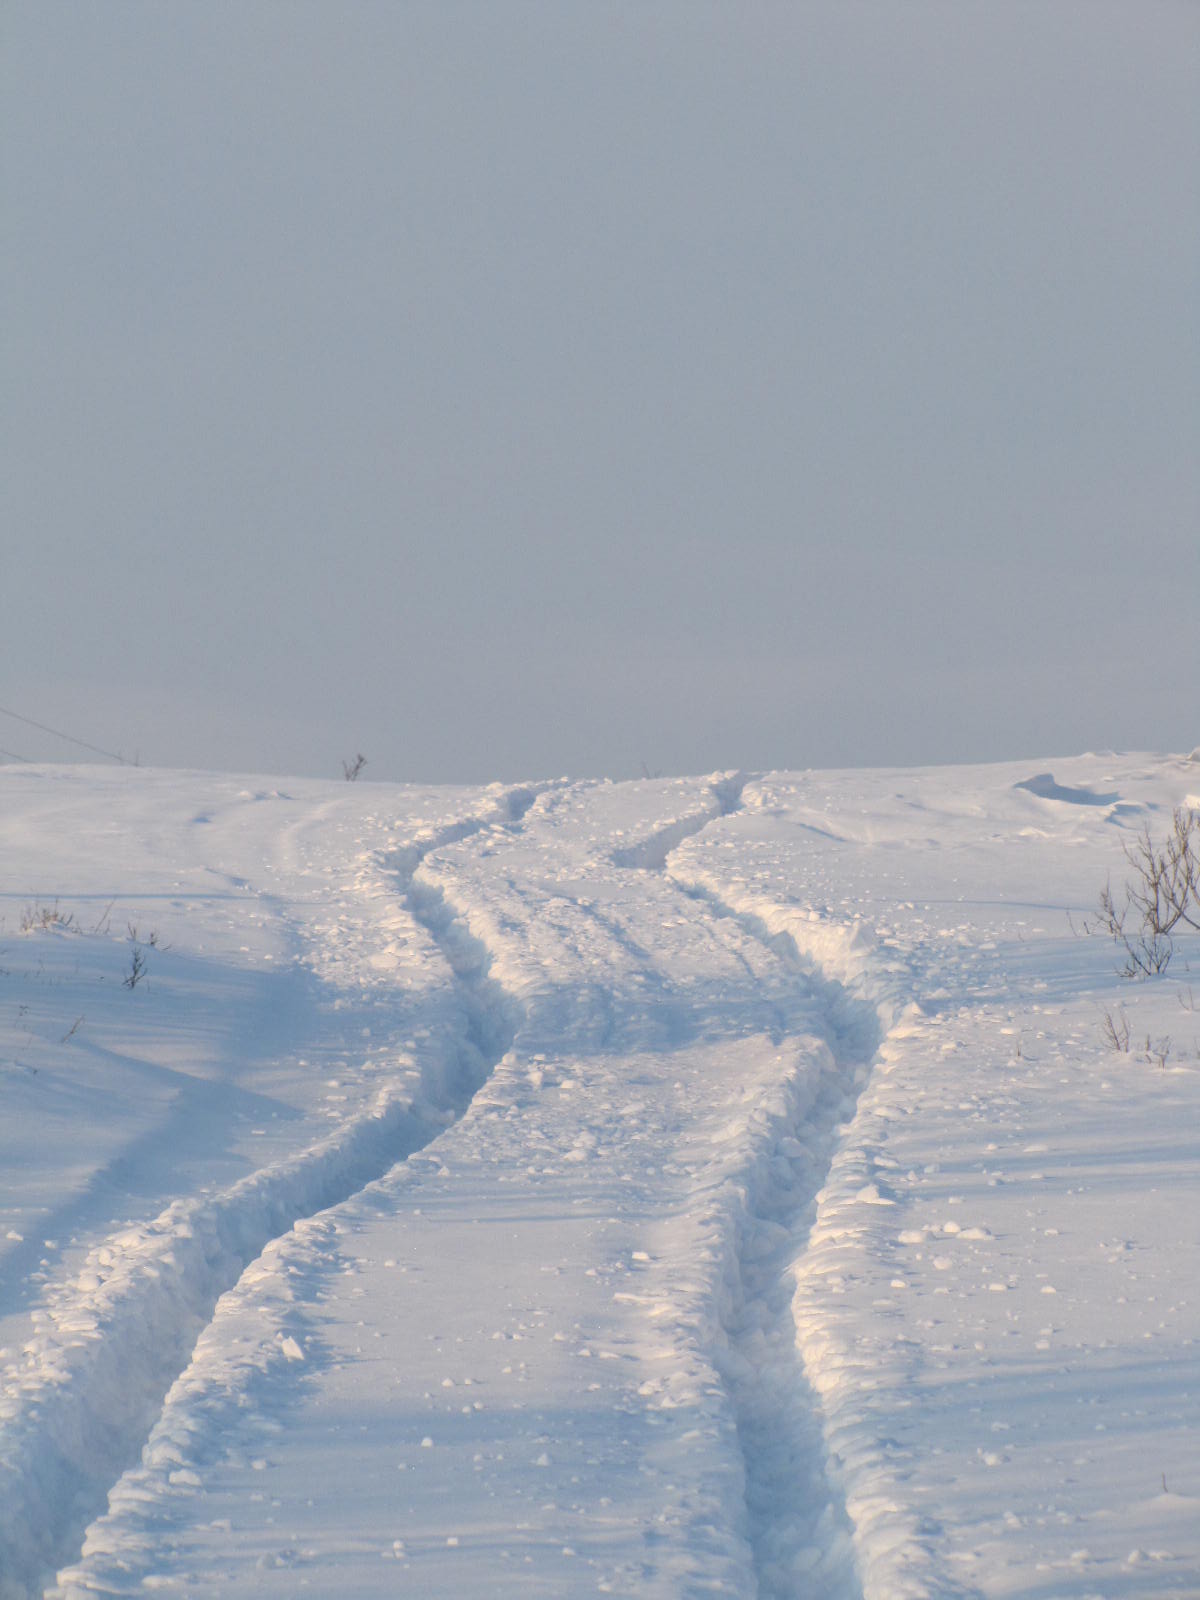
{"type": "Point", "coordinates": [74, 1415]}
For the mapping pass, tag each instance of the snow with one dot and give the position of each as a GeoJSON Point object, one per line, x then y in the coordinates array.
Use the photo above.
{"type": "Point", "coordinates": [683, 1187]}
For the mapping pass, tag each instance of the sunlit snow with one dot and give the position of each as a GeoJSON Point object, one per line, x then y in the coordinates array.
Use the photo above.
{"type": "Point", "coordinates": [722, 1186]}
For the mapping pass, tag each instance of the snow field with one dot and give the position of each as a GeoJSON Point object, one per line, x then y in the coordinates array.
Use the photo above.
{"type": "Point", "coordinates": [676, 1188]}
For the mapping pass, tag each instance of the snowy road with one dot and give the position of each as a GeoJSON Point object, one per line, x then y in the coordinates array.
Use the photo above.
{"type": "Point", "coordinates": [689, 1187]}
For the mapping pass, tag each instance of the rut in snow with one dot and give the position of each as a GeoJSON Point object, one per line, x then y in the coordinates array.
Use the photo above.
{"type": "Point", "coordinates": [76, 1413]}
{"type": "Point", "coordinates": [724, 795]}
{"type": "Point", "coordinates": [798, 1528]}
{"type": "Point", "coordinates": [796, 1522]}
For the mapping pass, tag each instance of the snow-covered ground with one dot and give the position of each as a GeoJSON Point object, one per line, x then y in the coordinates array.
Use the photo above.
{"type": "Point", "coordinates": [695, 1187]}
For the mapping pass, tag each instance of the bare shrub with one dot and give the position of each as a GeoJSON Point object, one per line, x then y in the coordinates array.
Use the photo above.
{"type": "Point", "coordinates": [1116, 1031]}
{"type": "Point", "coordinates": [137, 956]}
{"type": "Point", "coordinates": [39, 916]}
{"type": "Point", "coordinates": [1162, 896]}
{"type": "Point", "coordinates": [1159, 1050]}
{"type": "Point", "coordinates": [351, 769]}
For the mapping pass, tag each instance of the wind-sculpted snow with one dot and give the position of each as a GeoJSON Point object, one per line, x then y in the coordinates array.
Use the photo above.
{"type": "Point", "coordinates": [715, 1186]}
{"type": "Point", "coordinates": [1043, 785]}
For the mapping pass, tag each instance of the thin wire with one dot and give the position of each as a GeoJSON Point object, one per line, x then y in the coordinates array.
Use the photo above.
{"type": "Point", "coordinates": [58, 734]}
{"type": "Point", "coordinates": [12, 755]}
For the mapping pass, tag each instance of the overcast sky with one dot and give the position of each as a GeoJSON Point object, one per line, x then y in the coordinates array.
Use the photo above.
{"type": "Point", "coordinates": [520, 389]}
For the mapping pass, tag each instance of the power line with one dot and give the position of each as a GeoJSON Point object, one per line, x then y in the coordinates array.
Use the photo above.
{"type": "Point", "coordinates": [12, 754]}
{"type": "Point", "coordinates": [58, 734]}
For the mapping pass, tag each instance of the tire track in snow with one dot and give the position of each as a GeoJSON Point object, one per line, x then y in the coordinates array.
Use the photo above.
{"type": "Point", "coordinates": [217, 1388]}
{"type": "Point", "coordinates": [798, 1528]}
{"type": "Point", "coordinates": [75, 1415]}
{"type": "Point", "coordinates": [895, 1547]}
{"type": "Point", "coordinates": [723, 797]}
{"type": "Point", "coordinates": [215, 1393]}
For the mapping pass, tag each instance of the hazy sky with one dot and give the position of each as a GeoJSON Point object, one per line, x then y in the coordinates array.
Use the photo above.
{"type": "Point", "coordinates": [517, 389]}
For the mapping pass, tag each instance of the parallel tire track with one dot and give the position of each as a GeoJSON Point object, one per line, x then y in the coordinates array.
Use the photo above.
{"type": "Point", "coordinates": [77, 1413]}
{"type": "Point", "coordinates": [896, 1547]}
{"type": "Point", "coordinates": [798, 1529]}
{"type": "Point", "coordinates": [800, 1532]}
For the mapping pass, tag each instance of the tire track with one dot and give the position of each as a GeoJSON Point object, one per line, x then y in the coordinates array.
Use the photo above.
{"type": "Point", "coordinates": [895, 1548]}
{"type": "Point", "coordinates": [77, 1412]}
{"type": "Point", "coordinates": [211, 1393]}
{"type": "Point", "coordinates": [801, 1535]}
{"type": "Point", "coordinates": [799, 1532]}
{"type": "Point", "coordinates": [723, 797]}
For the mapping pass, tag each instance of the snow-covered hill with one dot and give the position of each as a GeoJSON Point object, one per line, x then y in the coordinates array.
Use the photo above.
{"type": "Point", "coordinates": [677, 1188]}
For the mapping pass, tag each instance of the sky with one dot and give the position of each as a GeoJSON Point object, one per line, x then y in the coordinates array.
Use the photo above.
{"type": "Point", "coordinates": [509, 390]}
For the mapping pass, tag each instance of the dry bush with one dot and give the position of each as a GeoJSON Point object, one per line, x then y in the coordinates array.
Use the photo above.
{"type": "Point", "coordinates": [39, 916]}
{"type": "Point", "coordinates": [1163, 896]}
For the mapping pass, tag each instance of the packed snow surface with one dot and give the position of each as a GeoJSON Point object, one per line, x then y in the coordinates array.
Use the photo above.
{"type": "Point", "coordinates": [757, 1186]}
